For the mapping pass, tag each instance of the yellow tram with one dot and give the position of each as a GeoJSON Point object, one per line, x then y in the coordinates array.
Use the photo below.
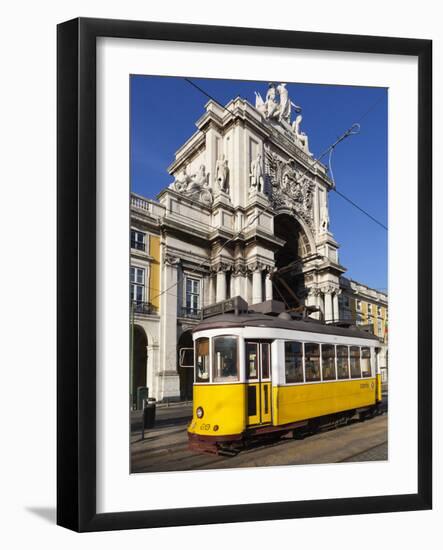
{"type": "Point", "coordinates": [257, 375]}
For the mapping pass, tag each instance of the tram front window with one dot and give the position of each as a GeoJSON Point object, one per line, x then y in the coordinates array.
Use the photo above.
{"type": "Point", "coordinates": [202, 360]}
{"type": "Point", "coordinates": [225, 359]}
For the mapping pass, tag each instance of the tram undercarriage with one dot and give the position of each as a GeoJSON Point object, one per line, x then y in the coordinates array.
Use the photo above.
{"type": "Point", "coordinates": [267, 434]}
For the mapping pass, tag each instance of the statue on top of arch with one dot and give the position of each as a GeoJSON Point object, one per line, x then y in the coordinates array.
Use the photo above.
{"type": "Point", "coordinates": [280, 111]}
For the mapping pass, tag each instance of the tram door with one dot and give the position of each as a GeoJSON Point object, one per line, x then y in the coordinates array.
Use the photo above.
{"type": "Point", "coordinates": [258, 376]}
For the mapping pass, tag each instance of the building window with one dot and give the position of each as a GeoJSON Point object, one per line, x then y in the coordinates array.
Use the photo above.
{"type": "Point", "coordinates": [369, 309]}
{"type": "Point", "coordinates": [379, 311]}
{"type": "Point", "coordinates": [379, 328]}
{"type": "Point", "coordinates": [293, 362]}
{"type": "Point", "coordinates": [138, 240]}
{"type": "Point", "coordinates": [202, 360]}
{"type": "Point", "coordinates": [358, 305]}
{"type": "Point", "coordinates": [192, 295]}
{"type": "Point", "coordinates": [328, 361]}
{"type": "Point", "coordinates": [224, 359]}
{"type": "Point", "coordinates": [137, 279]}
{"type": "Point", "coordinates": [312, 362]}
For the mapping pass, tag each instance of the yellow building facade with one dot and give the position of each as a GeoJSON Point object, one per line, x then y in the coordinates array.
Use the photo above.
{"type": "Point", "coordinates": [367, 308]}
{"type": "Point", "coordinates": [145, 291]}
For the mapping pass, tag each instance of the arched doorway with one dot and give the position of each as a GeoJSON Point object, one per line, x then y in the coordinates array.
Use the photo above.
{"type": "Point", "coordinates": [289, 259]}
{"type": "Point", "coordinates": [139, 360]}
{"type": "Point", "coordinates": [186, 374]}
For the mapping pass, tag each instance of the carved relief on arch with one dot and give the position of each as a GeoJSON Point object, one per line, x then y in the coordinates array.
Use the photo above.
{"type": "Point", "coordinates": [291, 189]}
{"type": "Point", "coordinates": [304, 247]}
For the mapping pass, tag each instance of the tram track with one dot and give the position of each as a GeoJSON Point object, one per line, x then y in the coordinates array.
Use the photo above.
{"type": "Point", "coordinates": [357, 441]}
{"type": "Point", "coordinates": [357, 456]}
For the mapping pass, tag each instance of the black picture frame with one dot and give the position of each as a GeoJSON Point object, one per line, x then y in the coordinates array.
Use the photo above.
{"type": "Point", "coordinates": [76, 264]}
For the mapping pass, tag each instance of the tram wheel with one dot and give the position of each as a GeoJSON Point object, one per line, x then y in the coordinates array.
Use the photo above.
{"type": "Point", "coordinates": [299, 433]}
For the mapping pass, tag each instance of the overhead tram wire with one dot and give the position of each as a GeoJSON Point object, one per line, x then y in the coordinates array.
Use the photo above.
{"type": "Point", "coordinates": [370, 108]}
{"type": "Point", "coordinates": [196, 86]}
{"type": "Point", "coordinates": [354, 129]}
{"type": "Point", "coordinates": [361, 209]}
{"type": "Point", "coordinates": [346, 134]}
{"type": "Point", "coordinates": [334, 188]}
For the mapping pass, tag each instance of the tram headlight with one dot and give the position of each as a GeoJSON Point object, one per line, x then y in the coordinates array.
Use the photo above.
{"type": "Point", "coordinates": [199, 412]}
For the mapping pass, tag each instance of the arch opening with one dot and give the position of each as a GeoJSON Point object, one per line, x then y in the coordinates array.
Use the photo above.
{"type": "Point", "coordinates": [139, 361]}
{"type": "Point", "coordinates": [289, 260]}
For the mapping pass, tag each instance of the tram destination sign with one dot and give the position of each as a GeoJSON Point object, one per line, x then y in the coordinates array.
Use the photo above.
{"type": "Point", "coordinates": [236, 304]}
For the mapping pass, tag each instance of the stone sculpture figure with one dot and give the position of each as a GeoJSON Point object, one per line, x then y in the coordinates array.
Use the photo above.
{"type": "Point", "coordinates": [260, 105]}
{"type": "Point", "coordinates": [256, 174]}
{"type": "Point", "coordinates": [284, 112]}
{"type": "Point", "coordinates": [324, 219]}
{"type": "Point", "coordinates": [222, 174]}
{"type": "Point", "coordinates": [272, 107]}
{"type": "Point", "coordinates": [197, 180]}
{"type": "Point", "coordinates": [196, 185]}
{"type": "Point", "coordinates": [182, 180]}
{"type": "Point", "coordinates": [300, 136]}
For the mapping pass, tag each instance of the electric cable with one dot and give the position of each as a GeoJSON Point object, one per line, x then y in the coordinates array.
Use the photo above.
{"type": "Point", "coordinates": [354, 129]}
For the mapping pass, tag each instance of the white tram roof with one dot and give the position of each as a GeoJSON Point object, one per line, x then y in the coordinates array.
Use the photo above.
{"type": "Point", "coordinates": [231, 320]}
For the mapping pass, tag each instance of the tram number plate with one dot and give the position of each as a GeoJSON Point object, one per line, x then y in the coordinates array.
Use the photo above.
{"type": "Point", "coordinates": [364, 386]}
{"type": "Point", "coordinates": [205, 427]}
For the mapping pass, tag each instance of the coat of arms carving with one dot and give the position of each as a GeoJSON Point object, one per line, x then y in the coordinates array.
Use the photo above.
{"type": "Point", "coordinates": [289, 187]}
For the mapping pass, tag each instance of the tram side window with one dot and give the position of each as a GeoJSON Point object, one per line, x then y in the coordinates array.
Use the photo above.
{"type": "Point", "coordinates": [366, 362]}
{"type": "Point", "coordinates": [293, 362]}
{"type": "Point", "coordinates": [202, 360]}
{"type": "Point", "coordinates": [354, 355]}
{"type": "Point", "coordinates": [328, 361]}
{"type": "Point", "coordinates": [225, 359]}
{"type": "Point", "coordinates": [342, 362]}
{"type": "Point", "coordinates": [312, 362]}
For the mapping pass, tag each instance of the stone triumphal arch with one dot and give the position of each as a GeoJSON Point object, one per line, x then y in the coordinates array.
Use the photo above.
{"type": "Point", "coordinates": [246, 198]}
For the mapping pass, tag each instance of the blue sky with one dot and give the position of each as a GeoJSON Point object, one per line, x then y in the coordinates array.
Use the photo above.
{"type": "Point", "coordinates": [163, 115]}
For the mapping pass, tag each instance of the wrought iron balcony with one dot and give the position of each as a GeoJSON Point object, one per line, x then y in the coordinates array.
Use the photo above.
{"type": "Point", "coordinates": [191, 313]}
{"type": "Point", "coordinates": [144, 308]}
